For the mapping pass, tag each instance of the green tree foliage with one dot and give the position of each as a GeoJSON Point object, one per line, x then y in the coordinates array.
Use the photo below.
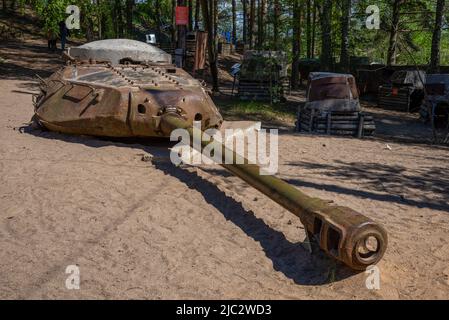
{"type": "Point", "coordinates": [107, 19]}
{"type": "Point", "coordinates": [51, 12]}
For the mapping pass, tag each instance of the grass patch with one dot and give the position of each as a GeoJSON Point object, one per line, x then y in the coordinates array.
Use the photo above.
{"type": "Point", "coordinates": [257, 111]}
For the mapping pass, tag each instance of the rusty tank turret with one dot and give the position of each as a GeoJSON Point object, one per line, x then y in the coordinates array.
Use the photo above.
{"type": "Point", "coordinates": [124, 88]}
{"type": "Point", "coordinates": [120, 88]}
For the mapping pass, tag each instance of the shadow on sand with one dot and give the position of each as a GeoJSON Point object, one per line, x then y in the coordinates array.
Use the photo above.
{"type": "Point", "coordinates": [383, 182]}
{"type": "Point", "coordinates": [292, 259]}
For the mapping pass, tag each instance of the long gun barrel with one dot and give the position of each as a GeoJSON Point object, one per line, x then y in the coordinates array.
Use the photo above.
{"type": "Point", "coordinates": [341, 232]}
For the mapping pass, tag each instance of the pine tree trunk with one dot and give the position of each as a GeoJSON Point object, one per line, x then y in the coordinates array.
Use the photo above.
{"type": "Point", "coordinates": [276, 10]}
{"type": "Point", "coordinates": [309, 27]}
{"type": "Point", "coordinates": [326, 36]}
{"type": "Point", "coordinates": [345, 20]}
{"type": "Point", "coordinates": [157, 9]}
{"type": "Point", "coordinates": [234, 21]}
{"type": "Point", "coordinates": [197, 14]}
{"type": "Point", "coordinates": [115, 26]}
{"type": "Point", "coordinates": [261, 24]}
{"type": "Point", "coordinates": [101, 21]}
{"type": "Point", "coordinates": [215, 20]}
{"type": "Point", "coordinates": [129, 18]}
{"type": "Point", "coordinates": [173, 22]}
{"type": "Point", "coordinates": [393, 43]}
{"type": "Point", "coordinates": [119, 15]}
{"type": "Point", "coordinates": [181, 29]}
{"type": "Point", "coordinates": [436, 38]}
{"type": "Point", "coordinates": [245, 21]}
{"type": "Point", "coordinates": [314, 28]}
{"type": "Point", "coordinates": [190, 15]}
{"type": "Point", "coordinates": [296, 44]}
{"type": "Point", "coordinates": [252, 15]}
{"type": "Point", "coordinates": [208, 13]}
{"type": "Point", "coordinates": [90, 30]}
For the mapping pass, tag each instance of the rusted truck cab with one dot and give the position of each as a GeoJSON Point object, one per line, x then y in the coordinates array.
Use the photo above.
{"type": "Point", "coordinates": [333, 107]}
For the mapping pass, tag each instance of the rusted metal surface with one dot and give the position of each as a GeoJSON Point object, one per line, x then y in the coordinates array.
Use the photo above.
{"type": "Point", "coordinates": [120, 88]}
{"type": "Point", "coordinates": [329, 86]}
{"type": "Point", "coordinates": [153, 99]}
{"type": "Point", "coordinates": [341, 232]}
{"type": "Point", "coordinates": [121, 101]}
{"type": "Point", "coordinates": [333, 107]}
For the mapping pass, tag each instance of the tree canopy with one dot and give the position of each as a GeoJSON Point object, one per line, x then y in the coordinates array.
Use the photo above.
{"type": "Point", "coordinates": [271, 24]}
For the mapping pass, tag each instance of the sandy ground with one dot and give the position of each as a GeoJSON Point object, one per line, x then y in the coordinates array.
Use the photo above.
{"type": "Point", "coordinates": [150, 230]}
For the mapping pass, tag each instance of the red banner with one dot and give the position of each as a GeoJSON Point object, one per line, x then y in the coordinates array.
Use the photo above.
{"type": "Point", "coordinates": [182, 16]}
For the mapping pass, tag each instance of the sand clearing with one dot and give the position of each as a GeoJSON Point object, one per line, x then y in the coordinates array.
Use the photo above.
{"type": "Point", "coordinates": [149, 230]}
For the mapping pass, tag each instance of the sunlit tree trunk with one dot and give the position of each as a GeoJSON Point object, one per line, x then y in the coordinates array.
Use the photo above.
{"type": "Point", "coordinates": [326, 36]}
{"type": "Point", "coordinates": [436, 38]}
{"type": "Point", "coordinates": [296, 44]}
{"type": "Point", "coordinates": [208, 13]}
{"type": "Point", "coordinates": [277, 10]}
{"type": "Point", "coordinates": [314, 16]}
{"type": "Point", "coordinates": [393, 42]}
{"type": "Point", "coordinates": [90, 30]}
{"type": "Point", "coordinates": [309, 28]}
{"type": "Point", "coordinates": [119, 27]}
{"type": "Point", "coordinates": [345, 21]}
{"type": "Point", "coordinates": [234, 21]}
{"type": "Point", "coordinates": [252, 14]}
{"type": "Point", "coordinates": [197, 14]}
{"type": "Point", "coordinates": [190, 15]}
{"type": "Point", "coordinates": [101, 20]}
{"type": "Point", "coordinates": [173, 22]}
{"type": "Point", "coordinates": [182, 29]}
{"type": "Point", "coordinates": [245, 21]}
{"type": "Point", "coordinates": [157, 9]}
{"type": "Point", "coordinates": [215, 20]}
{"type": "Point", "coordinates": [261, 24]}
{"type": "Point", "coordinates": [129, 18]}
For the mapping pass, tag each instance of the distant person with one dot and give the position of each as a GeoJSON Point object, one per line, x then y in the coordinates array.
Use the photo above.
{"type": "Point", "coordinates": [51, 36]}
{"type": "Point", "coordinates": [63, 33]}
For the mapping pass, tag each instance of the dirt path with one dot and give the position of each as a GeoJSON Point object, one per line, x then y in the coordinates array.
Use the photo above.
{"type": "Point", "coordinates": [149, 230]}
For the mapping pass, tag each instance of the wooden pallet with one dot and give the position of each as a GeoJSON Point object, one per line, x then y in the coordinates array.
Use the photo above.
{"type": "Point", "coordinates": [257, 90]}
{"type": "Point", "coordinates": [336, 123]}
{"type": "Point", "coordinates": [399, 101]}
